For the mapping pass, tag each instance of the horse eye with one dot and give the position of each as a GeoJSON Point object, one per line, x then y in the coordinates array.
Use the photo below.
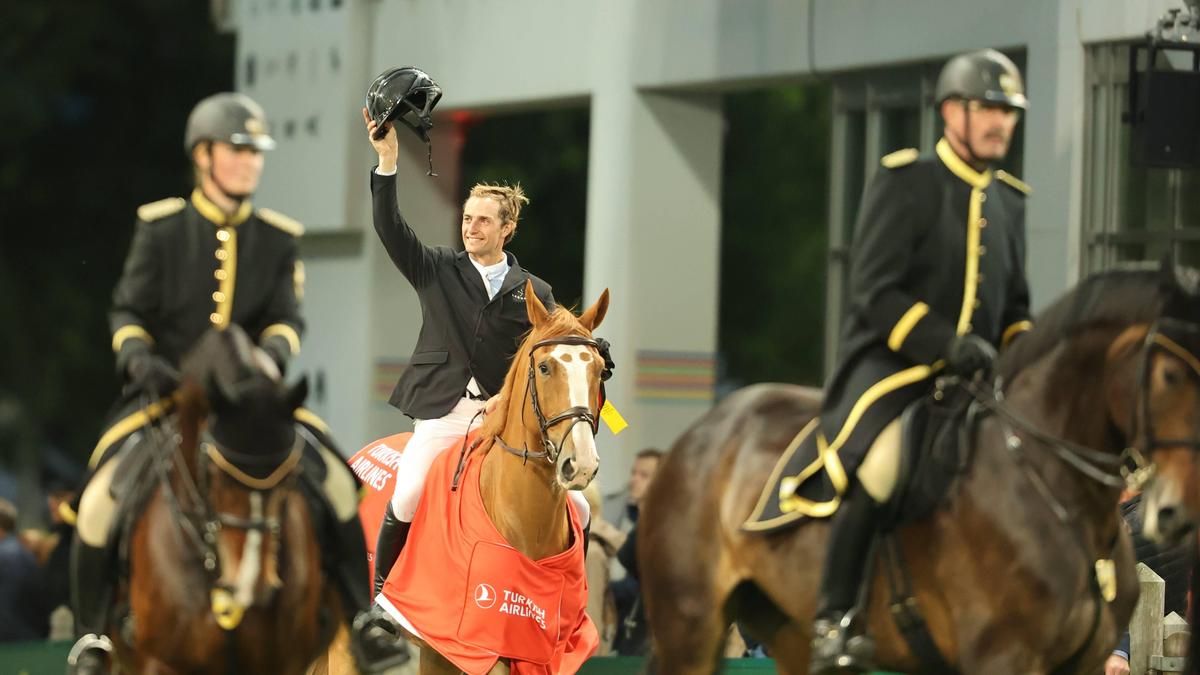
{"type": "Point", "coordinates": [1171, 377]}
{"type": "Point", "coordinates": [543, 368]}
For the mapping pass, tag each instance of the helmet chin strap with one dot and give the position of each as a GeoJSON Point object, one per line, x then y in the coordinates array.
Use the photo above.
{"type": "Point", "coordinates": [212, 177]}
{"type": "Point", "coordinates": [974, 159]}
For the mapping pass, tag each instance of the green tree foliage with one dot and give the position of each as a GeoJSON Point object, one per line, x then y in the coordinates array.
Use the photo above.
{"type": "Point", "coordinates": [774, 208]}
{"type": "Point", "coordinates": [547, 153]}
{"type": "Point", "coordinates": [95, 97]}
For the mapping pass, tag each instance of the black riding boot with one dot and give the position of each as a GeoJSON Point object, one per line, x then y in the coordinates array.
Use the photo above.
{"type": "Point", "coordinates": [91, 594]}
{"type": "Point", "coordinates": [853, 528]}
{"type": "Point", "coordinates": [393, 533]}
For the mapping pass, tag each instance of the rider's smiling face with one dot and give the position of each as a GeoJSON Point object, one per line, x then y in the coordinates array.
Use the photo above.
{"type": "Point", "coordinates": [482, 232]}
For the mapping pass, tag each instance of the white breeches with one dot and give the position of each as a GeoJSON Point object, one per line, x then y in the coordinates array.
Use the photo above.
{"type": "Point", "coordinates": [429, 439]}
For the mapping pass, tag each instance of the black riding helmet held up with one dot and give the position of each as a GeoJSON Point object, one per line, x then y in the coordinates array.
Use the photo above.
{"type": "Point", "coordinates": [230, 117]}
{"type": "Point", "coordinates": [986, 76]}
{"type": "Point", "coordinates": [407, 95]}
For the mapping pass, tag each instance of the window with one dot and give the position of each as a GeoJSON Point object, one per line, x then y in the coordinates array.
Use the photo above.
{"type": "Point", "coordinates": [1129, 213]}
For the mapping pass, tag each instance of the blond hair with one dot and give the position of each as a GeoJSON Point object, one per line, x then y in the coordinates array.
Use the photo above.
{"type": "Point", "coordinates": [510, 198]}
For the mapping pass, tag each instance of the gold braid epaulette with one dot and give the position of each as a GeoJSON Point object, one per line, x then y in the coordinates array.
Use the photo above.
{"type": "Point", "coordinates": [160, 209]}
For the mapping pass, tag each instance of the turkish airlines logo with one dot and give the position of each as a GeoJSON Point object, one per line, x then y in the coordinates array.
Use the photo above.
{"type": "Point", "coordinates": [485, 596]}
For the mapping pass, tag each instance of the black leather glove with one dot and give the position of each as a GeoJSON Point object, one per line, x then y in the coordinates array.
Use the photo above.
{"type": "Point", "coordinates": [152, 373]}
{"type": "Point", "coordinates": [970, 354]}
{"type": "Point", "coordinates": [608, 362]}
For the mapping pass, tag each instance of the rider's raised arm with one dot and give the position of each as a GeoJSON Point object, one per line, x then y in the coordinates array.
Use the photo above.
{"type": "Point", "coordinates": [885, 240]}
{"type": "Point", "coordinates": [138, 294]}
{"type": "Point", "coordinates": [414, 259]}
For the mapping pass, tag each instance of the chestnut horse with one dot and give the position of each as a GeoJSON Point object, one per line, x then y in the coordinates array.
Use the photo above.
{"type": "Point", "coordinates": [1007, 571]}
{"type": "Point", "coordinates": [224, 566]}
{"type": "Point", "coordinates": [538, 442]}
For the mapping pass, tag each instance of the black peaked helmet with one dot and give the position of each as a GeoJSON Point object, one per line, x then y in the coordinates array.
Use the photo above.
{"type": "Point", "coordinates": [986, 76]}
{"type": "Point", "coordinates": [406, 94]}
{"type": "Point", "coordinates": [230, 117]}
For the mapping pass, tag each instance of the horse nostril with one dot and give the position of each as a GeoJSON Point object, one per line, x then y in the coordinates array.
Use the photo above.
{"type": "Point", "coordinates": [568, 469]}
{"type": "Point", "coordinates": [1166, 518]}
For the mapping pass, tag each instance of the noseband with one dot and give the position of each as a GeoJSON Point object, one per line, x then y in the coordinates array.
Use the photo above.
{"type": "Point", "coordinates": [550, 450]}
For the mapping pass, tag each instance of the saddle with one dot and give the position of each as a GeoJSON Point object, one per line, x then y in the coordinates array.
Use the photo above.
{"type": "Point", "coordinates": [935, 448]}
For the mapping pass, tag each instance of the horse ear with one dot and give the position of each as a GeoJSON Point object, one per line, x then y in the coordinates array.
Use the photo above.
{"type": "Point", "coordinates": [534, 307]}
{"type": "Point", "coordinates": [297, 393]}
{"type": "Point", "coordinates": [592, 317]}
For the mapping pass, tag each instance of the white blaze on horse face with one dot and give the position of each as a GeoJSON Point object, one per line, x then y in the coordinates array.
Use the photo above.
{"type": "Point", "coordinates": [576, 361]}
{"type": "Point", "coordinates": [1163, 492]}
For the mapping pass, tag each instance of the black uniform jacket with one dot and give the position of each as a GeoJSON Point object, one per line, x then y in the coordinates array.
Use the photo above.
{"type": "Point", "coordinates": [463, 334]}
{"type": "Point", "coordinates": [938, 251]}
{"type": "Point", "coordinates": [191, 267]}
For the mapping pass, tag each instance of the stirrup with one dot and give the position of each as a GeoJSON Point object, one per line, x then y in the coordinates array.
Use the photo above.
{"type": "Point", "coordinates": [377, 642]}
{"type": "Point", "coordinates": [88, 643]}
{"type": "Point", "coordinates": [836, 650]}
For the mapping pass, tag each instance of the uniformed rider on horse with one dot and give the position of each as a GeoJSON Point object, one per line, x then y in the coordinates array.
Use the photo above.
{"type": "Point", "coordinates": [937, 282]}
{"type": "Point", "coordinates": [210, 260]}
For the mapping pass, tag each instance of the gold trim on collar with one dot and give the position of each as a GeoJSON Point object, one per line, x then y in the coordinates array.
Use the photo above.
{"type": "Point", "coordinates": [130, 331]}
{"type": "Point", "coordinates": [905, 325]}
{"type": "Point", "coordinates": [213, 213]}
{"type": "Point", "coordinates": [960, 168]}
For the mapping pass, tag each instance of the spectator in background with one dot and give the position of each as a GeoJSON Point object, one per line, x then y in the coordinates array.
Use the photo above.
{"type": "Point", "coordinates": [617, 530]}
{"type": "Point", "coordinates": [22, 610]}
{"type": "Point", "coordinates": [1173, 564]}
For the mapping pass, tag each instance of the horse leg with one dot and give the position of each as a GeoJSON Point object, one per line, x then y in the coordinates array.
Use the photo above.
{"type": "Point", "coordinates": [689, 628]}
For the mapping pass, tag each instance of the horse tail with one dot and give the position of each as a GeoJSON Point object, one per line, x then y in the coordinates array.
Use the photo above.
{"type": "Point", "coordinates": [1193, 658]}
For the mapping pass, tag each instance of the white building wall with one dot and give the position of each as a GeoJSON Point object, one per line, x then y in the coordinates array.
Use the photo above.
{"type": "Point", "coordinates": [651, 70]}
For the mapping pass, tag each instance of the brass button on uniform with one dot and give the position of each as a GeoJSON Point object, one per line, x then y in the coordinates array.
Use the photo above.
{"type": "Point", "coordinates": [982, 250]}
{"type": "Point", "coordinates": [222, 254]}
{"type": "Point", "coordinates": [217, 319]}
{"type": "Point", "coordinates": [982, 197]}
{"type": "Point", "coordinates": [218, 296]}
{"type": "Point", "coordinates": [221, 275]}
{"type": "Point", "coordinates": [982, 223]}
{"type": "Point", "coordinates": [223, 235]}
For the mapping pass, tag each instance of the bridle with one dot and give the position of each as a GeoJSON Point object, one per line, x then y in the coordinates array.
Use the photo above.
{"type": "Point", "coordinates": [550, 450]}
{"type": "Point", "coordinates": [202, 524]}
{"type": "Point", "coordinates": [1165, 335]}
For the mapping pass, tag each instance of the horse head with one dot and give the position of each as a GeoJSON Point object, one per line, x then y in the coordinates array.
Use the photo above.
{"type": "Point", "coordinates": [1165, 423]}
{"type": "Point", "coordinates": [552, 391]}
{"type": "Point", "coordinates": [241, 447]}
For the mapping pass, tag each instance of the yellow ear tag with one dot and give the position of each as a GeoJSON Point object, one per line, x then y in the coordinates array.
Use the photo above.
{"type": "Point", "coordinates": [612, 418]}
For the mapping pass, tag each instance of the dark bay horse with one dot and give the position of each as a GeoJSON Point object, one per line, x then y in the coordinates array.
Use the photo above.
{"type": "Point", "coordinates": [1005, 571]}
{"type": "Point", "coordinates": [224, 567]}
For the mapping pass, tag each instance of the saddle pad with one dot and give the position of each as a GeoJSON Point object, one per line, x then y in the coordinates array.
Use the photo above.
{"type": "Point", "coordinates": [807, 482]}
{"type": "Point", "coordinates": [375, 465]}
{"type": "Point", "coordinates": [453, 549]}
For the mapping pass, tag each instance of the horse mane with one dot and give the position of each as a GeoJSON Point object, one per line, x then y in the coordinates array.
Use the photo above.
{"type": "Point", "coordinates": [1124, 295]}
{"type": "Point", "coordinates": [561, 323]}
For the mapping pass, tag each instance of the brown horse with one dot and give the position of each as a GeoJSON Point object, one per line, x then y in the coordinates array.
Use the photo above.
{"type": "Point", "coordinates": [224, 567]}
{"type": "Point", "coordinates": [537, 443]}
{"type": "Point", "coordinates": [1006, 571]}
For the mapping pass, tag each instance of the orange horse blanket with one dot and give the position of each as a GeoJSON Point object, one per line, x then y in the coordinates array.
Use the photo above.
{"type": "Point", "coordinates": [466, 591]}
